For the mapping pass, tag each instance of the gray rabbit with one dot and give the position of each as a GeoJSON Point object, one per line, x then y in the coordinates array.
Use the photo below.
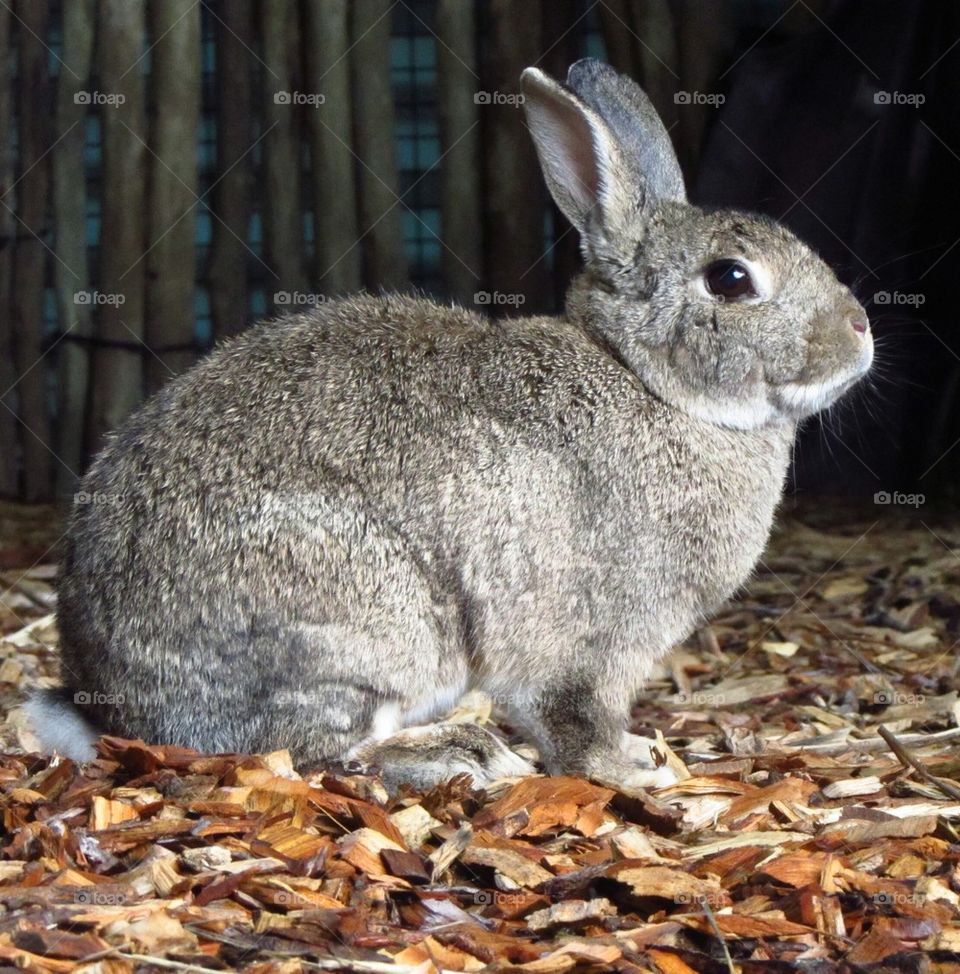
{"type": "Point", "coordinates": [330, 528]}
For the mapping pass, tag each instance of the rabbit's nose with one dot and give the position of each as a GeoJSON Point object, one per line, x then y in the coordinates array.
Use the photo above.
{"type": "Point", "coordinates": [853, 313]}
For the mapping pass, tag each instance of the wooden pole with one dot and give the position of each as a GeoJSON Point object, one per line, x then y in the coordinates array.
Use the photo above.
{"type": "Point", "coordinates": [618, 34]}
{"type": "Point", "coordinates": [172, 203]}
{"type": "Point", "coordinates": [282, 211]}
{"type": "Point", "coordinates": [117, 372]}
{"type": "Point", "coordinates": [71, 274]}
{"type": "Point", "coordinates": [519, 279]}
{"type": "Point", "coordinates": [385, 264]}
{"type": "Point", "coordinates": [34, 97]}
{"type": "Point", "coordinates": [337, 263]}
{"type": "Point", "coordinates": [231, 196]}
{"type": "Point", "coordinates": [458, 82]}
{"type": "Point", "coordinates": [9, 430]}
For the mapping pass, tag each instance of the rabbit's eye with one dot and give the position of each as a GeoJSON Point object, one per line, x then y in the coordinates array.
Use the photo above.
{"type": "Point", "coordinates": [729, 280]}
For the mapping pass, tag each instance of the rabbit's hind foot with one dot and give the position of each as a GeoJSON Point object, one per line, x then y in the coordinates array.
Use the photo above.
{"type": "Point", "coordinates": [424, 757]}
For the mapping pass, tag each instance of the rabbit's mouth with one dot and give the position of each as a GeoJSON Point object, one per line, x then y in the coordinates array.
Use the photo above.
{"type": "Point", "coordinates": [798, 399]}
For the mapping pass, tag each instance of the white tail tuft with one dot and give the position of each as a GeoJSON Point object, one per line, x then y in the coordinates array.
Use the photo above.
{"type": "Point", "coordinates": [62, 729]}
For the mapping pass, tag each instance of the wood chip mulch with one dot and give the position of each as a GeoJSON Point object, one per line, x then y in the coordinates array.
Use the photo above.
{"type": "Point", "coordinates": [815, 722]}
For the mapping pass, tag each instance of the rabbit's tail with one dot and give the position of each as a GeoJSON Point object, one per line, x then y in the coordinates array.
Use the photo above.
{"type": "Point", "coordinates": [62, 729]}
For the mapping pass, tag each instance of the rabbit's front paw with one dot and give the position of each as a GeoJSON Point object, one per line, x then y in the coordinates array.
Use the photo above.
{"type": "Point", "coordinates": [629, 771]}
{"type": "Point", "coordinates": [649, 778]}
{"type": "Point", "coordinates": [428, 755]}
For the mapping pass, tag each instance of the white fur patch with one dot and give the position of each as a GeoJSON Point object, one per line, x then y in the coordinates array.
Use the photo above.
{"type": "Point", "coordinates": [61, 728]}
{"type": "Point", "coordinates": [735, 415]}
{"type": "Point", "coordinates": [428, 708]}
{"type": "Point", "coordinates": [386, 722]}
{"type": "Point", "coordinates": [807, 398]}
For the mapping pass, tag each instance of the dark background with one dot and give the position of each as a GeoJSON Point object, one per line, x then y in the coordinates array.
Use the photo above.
{"type": "Point", "coordinates": [175, 169]}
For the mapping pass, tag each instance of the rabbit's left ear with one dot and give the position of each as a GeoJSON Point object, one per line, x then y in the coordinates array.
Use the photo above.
{"type": "Point", "coordinates": [601, 145]}
{"type": "Point", "coordinates": [577, 151]}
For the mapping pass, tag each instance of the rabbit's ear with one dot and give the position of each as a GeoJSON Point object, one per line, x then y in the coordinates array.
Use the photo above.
{"type": "Point", "coordinates": [634, 123]}
{"type": "Point", "coordinates": [577, 150]}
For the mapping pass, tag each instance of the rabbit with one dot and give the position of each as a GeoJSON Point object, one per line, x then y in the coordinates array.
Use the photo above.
{"type": "Point", "coordinates": [325, 532]}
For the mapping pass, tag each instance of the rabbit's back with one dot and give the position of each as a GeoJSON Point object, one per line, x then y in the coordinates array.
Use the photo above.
{"type": "Point", "coordinates": [343, 385]}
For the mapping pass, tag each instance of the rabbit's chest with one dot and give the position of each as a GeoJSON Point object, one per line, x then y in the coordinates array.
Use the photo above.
{"type": "Point", "coordinates": [708, 528]}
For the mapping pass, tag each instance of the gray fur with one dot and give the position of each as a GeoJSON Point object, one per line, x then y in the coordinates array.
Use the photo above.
{"type": "Point", "coordinates": [340, 520]}
{"type": "Point", "coordinates": [635, 124]}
